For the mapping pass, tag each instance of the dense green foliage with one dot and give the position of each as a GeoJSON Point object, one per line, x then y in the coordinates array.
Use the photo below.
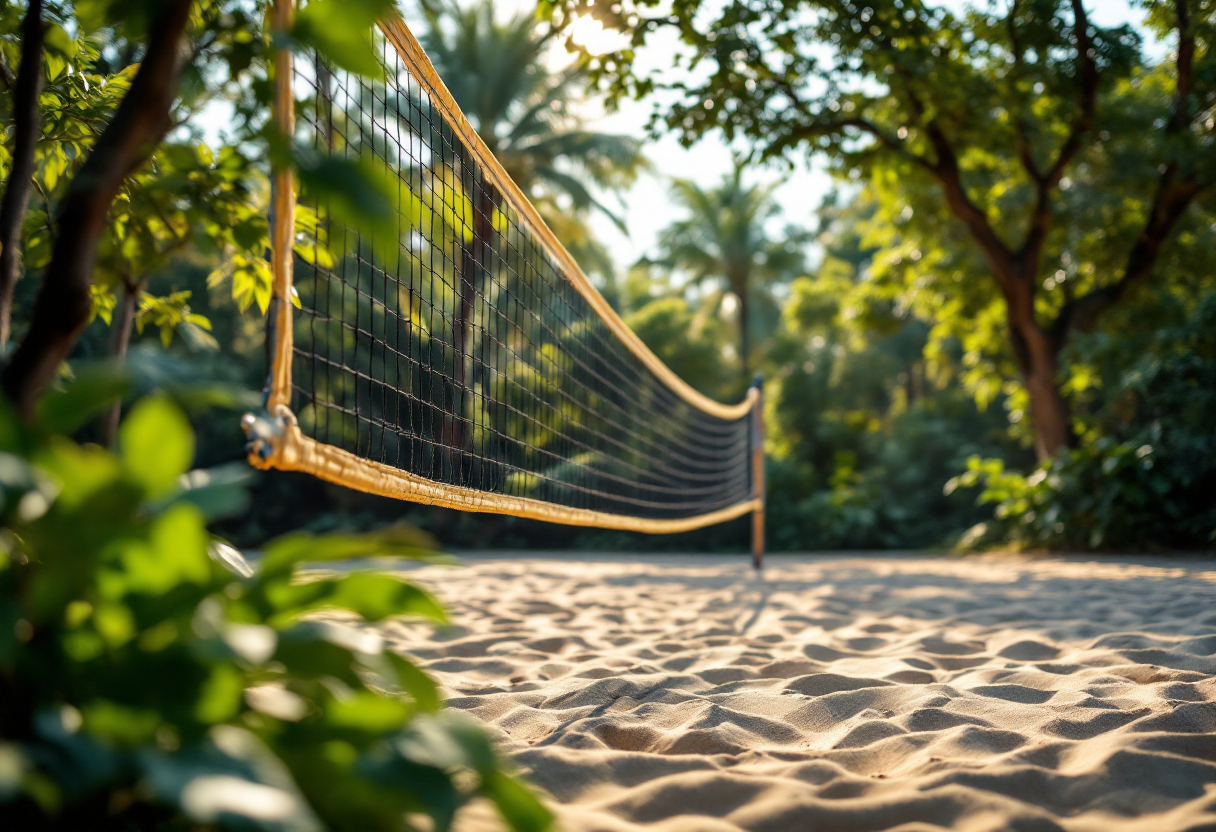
{"type": "Point", "coordinates": [863, 431]}
{"type": "Point", "coordinates": [887, 343]}
{"type": "Point", "coordinates": [150, 678]}
{"type": "Point", "coordinates": [1147, 479]}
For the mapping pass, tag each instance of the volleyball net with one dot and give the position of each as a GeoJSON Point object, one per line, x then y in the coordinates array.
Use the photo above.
{"type": "Point", "coordinates": [454, 353]}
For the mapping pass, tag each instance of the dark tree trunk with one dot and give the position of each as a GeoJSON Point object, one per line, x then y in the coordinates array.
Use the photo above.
{"type": "Point", "coordinates": [745, 339]}
{"type": "Point", "coordinates": [1036, 352]}
{"type": "Point", "coordinates": [474, 261]}
{"type": "Point", "coordinates": [26, 130]}
{"type": "Point", "coordinates": [1037, 356]}
{"type": "Point", "coordinates": [62, 308]}
{"type": "Point", "coordinates": [120, 339]}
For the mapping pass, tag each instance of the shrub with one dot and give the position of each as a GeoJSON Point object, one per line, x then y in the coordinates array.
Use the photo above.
{"type": "Point", "coordinates": [1149, 478]}
{"type": "Point", "coordinates": [145, 686]}
{"type": "Point", "coordinates": [881, 486]}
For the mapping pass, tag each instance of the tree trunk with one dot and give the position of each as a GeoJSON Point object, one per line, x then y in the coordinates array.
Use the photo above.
{"type": "Point", "coordinates": [745, 341]}
{"type": "Point", "coordinates": [474, 261]}
{"type": "Point", "coordinates": [120, 339]}
{"type": "Point", "coordinates": [63, 305]}
{"type": "Point", "coordinates": [26, 130]}
{"type": "Point", "coordinates": [1037, 356]}
{"type": "Point", "coordinates": [738, 279]}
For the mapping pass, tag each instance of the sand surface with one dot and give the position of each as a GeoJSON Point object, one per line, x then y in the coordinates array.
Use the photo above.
{"type": "Point", "coordinates": [841, 693]}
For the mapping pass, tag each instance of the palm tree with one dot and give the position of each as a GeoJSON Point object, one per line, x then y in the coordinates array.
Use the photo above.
{"type": "Point", "coordinates": [723, 245]}
{"type": "Point", "coordinates": [526, 113]}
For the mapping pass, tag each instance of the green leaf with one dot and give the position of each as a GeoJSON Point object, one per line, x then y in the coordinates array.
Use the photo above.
{"type": "Point", "coordinates": [119, 723]}
{"type": "Point", "coordinates": [97, 387]}
{"type": "Point", "coordinates": [371, 596]}
{"type": "Point", "coordinates": [368, 712]}
{"type": "Point", "coordinates": [361, 194]}
{"type": "Point", "coordinates": [216, 492]}
{"type": "Point", "coordinates": [156, 445]}
{"type": "Point", "coordinates": [176, 553]}
{"type": "Point", "coordinates": [221, 696]}
{"type": "Point", "coordinates": [448, 741]}
{"type": "Point", "coordinates": [231, 781]}
{"type": "Point", "coordinates": [319, 649]}
{"type": "Point", "coordinates": [341, 31]}
{"type": "Point", "coordinates": [519, 807]}
{"type": "Point", "coordinates": [401, 541]}
{"type": "Point", "coordinates": [416, 683]}
{"type": "Point", "coordinates": [58, 39]}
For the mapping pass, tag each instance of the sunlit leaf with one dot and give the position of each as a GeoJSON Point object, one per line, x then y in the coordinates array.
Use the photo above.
{"type": "Point", "coordinates": [341, 31]}
{"type": "Point", "coordinates": [95, 388]}
{"type": "Point", "coordinates": [156, 445]}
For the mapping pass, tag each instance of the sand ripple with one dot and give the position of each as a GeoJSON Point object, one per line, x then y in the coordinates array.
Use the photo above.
{"type": "Point", "coordinates": [841, 693]}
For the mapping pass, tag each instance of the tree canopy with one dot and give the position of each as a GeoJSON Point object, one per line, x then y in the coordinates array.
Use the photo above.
{"type": "Point", "coordinates": [1016, 129]}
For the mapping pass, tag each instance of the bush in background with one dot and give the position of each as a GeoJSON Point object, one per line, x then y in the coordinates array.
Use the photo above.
{"type": "Point", "coordinates": [1148, 480]}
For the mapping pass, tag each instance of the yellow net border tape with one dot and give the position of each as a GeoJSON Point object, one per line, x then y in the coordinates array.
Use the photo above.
{"type": "Point", "coordinates": [298, 452]}
{"type": "Point", "coordinates": [293, 451]}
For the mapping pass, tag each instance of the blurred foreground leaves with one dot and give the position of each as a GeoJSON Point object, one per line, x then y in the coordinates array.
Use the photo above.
{"type": "Point", "coordinates": [152, 678]}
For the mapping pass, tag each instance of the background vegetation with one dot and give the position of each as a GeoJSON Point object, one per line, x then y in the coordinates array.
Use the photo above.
{"type": "Point", "coordinates": [999, 171]}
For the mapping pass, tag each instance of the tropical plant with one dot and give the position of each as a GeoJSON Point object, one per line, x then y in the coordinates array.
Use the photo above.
{"type": "Point", "coordinates": [724, 247]}
{"type": "Point", "coordinates": [533, 118]}
{"type": "Point", "coordinates": [153, 678]}
{"type": "Point", "coordinates": [1040, 167]}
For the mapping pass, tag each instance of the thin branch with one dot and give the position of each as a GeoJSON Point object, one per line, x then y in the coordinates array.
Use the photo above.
{"type": "Point", "coordinates": [918, 106]}
{"type": "Point", "coordinates": [1186, 59]}
{"type": "Point", "coordinates": [139, 124]}
{"type": "Point", "coordinates": [864, 124]}
{"type": "Point", "coordinates": [887, 141]}
{"type": "Point", "coordinates": [1087, 95]}
{"type": "Point", "coordinates": [1169, 204]}
{"type": "Point", "coordinates": [1173, 196]}
{"type": "Point", "coordinates": [949, 175]}
{"type": "Point", "coordinates": [1087, 92]}
{"type": "Point", "coordinates": [1025, 151]}
{"type": "Point", "coordinates": [7, 75]}
{"type": "Point", "coordinates": [46, 201]}
{"type": "Point", "coordinates": [26, 132]}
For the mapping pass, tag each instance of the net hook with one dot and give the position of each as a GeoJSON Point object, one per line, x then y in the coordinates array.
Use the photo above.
{"type": "Point", "coordinates": [265, 430]}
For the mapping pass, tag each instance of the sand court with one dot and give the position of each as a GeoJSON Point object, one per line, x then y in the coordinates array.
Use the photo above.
{"type": "Point", "coordinates": [686, 694]}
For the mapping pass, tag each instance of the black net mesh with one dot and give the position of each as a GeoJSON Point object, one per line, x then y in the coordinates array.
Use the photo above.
{"type": "Point", "coordinates": [447, 342]}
